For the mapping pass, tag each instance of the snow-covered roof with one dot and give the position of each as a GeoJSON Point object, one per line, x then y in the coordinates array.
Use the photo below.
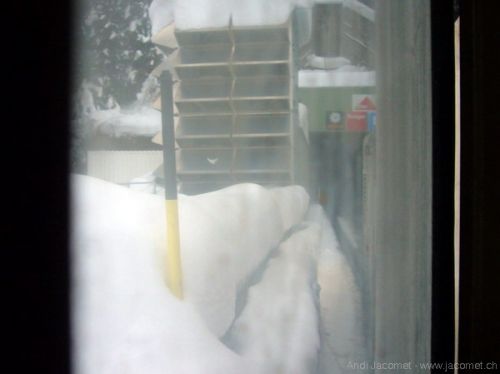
{"type": "Point", "coordinates": [161, 13]}
{"type": "Point", "coordinates": [196, 14]}
{"type": "Point", "coordinates": [347, 76]}
{"type": "Point", "coordinates": [143, 121]}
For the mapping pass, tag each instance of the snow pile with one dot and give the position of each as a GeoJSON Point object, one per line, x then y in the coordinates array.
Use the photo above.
{"type": "Point", "coordinates": [225, 235]}
{"type": "Point", "coordinates": [278, 329]}
{"type": "Point", "coordinates": [253, 222]}
{"type": "Point", "coordinates": [118, 243]}
{"type": "Point", "coordinates": [126, 321]}
{"type": "Point", "coordinates": [345, 76]}
{"type": "Point", "coordinates": [261, 12]}
{"type": "Point", "coordinates": [196, 14]}
{"type": "Point", "coordinates": [138, 119]}
{"type": "Point", "coordinates": [142, 121]}
{"type": "Point", "coordinates": [161, 14]}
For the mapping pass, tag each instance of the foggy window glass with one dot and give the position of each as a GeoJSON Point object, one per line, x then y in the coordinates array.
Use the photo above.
{"type": "Point", "coordinates": [251, 187]}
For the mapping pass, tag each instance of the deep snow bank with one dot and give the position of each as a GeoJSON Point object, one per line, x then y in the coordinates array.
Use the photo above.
{"type": "Point", "coordinates": [278, 329]}
{"type": "Point", "coordinates": [225, 235]}
{"type": "Point", "coordinates": [124, 316]}
{"type": "Point", "coordinates": [304, 315]}
{"type": "Point", "coordinates": [126, 321]}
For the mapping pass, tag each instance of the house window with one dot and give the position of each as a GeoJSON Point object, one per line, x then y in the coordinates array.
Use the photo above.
{"type": "Point", "coordinates": [303, 147]}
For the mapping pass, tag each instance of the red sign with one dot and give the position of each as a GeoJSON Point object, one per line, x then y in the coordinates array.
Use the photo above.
{"type": "Point", "coordinates": [356, 121]}
{"type": "Point", "coordinates": [366, 104]}
{"type": "Point", "coordinates": [363, 102]}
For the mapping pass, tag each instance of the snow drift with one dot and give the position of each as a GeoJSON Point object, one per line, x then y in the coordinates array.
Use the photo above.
{"type": "Point", "coordinates": [278, 329]}
{"type": "Point", "coordinates": [298, 316]}
{"type": "Point", "coordinates": [195, 14]}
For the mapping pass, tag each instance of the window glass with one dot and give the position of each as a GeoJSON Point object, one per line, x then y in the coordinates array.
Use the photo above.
{"type": "Point", "coordinates": [251, 187]}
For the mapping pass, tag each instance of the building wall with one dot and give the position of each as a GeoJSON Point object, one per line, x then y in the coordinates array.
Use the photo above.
{"type": "Point", "coordinates": [322, 100]}
{"type": "Point", "coordinates": [122, 166]}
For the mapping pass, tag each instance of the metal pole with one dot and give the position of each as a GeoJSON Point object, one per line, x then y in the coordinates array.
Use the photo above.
{"type": "Point", "coordinates": [174, 275]}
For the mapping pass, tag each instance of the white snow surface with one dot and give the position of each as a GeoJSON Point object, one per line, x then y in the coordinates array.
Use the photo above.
{"type": "Point", "coordinates": [126, 321]}
{"type": "Point", "coordinates": [278, 329]}
{"type": "Point", "coordinates": [161, 14]}
{"type": "Point", "coordinates": [143, 121]}
{"type": "Point", "coordinates": [304, 121]}
{"type": "Point", "coordinates": [196, 14]}
{"type": "Point", "coordinates": [120, 298]}
{"type": "Point", "coordinates": [261, 12]}
{"type": "Point", "coordinates": [318, 62]}
{"type": "Point", "coordinates": [345, 76]}
{"type": "Point", "coordinates": [225, 235]}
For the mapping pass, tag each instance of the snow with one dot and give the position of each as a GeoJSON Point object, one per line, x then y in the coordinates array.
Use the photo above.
{"type": "Point", "coordinates": [301, 311]}
{"type": "Point", "coordinates": [142, 121]}
{"type": "Point", "coordinates": [250, 227]}
{"type": "Point", "coordinates": [126, 320]}
{"type": "Point", "coordinates": [278, 329]}
{"type": "Point", "coordinates": [261, 12]}
{"type": "Point", "coordinates": [161, 13]}
{"type": "Point", "coordinates": [92, 17]}
{"type": "Point", "coordinates": [318, 62]}
{"type": "Point", "coordinates": [196, 14]}
{"type": "Point", "coordinates": [342, 339]}
{"type": "Point", "coordinates": [86, 99]}
{"type": "Point", "coordinates": [345, 76]}
{"type": "Point", "coordinates": [304, 121]}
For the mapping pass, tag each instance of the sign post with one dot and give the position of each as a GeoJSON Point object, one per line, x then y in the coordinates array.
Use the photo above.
{"type": "Point", "coordinates": [174, 275]}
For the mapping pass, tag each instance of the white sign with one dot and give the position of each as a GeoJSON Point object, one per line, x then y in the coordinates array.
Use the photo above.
{"type": "Point", "coordinates": [363, 102]}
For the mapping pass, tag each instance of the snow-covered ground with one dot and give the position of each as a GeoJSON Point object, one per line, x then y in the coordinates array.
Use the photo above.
{"type": "Point", "coordinates": [299, 315]}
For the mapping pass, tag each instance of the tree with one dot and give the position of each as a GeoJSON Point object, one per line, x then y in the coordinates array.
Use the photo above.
{"type": "Point", "coordinates": [115, 55]}
{"type": "Point", "coordinates": [112, 62]}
